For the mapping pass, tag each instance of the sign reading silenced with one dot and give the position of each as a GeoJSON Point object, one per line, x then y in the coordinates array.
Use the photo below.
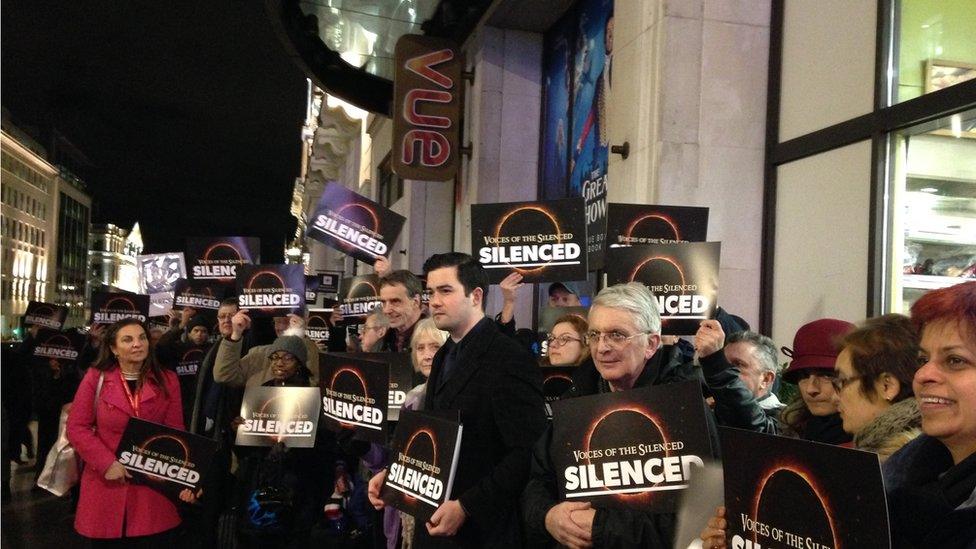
{"type": "Point", "coordinates": [354, 224]}
{"type": "Point", "coordinates": [544, 241]}
{"type": "Point", "coordinates": [279, 414]}
{"type": "Point", "coordinates": [109, 308]}
{"type": "Point", "coordinates": [163, 458]}
{"type": "Point", "coordinates": [634, 449]}
{"type": "Point", "coordinates": [355, 393]}
{"type": "Point", "coordinates": [271, 290]}
{"type": "Point", "coordinates": [217, 257]}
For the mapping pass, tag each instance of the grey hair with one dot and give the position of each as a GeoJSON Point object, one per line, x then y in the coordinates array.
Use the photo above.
{"type": "Point", "coordinates": [637, 300]}
{"type": "Point", "coordinates": [762, 346]}
{"type": "Point", "coordinates": [380, 316]}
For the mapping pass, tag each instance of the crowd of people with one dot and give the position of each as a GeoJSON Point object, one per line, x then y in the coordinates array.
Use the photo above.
{"type": "Point", "coordinates": [901, 387]}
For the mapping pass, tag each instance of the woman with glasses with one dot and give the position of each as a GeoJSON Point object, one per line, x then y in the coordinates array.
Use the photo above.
{"type": "Point", "coordinates": [566, 345]}
{"type": "Point", "coordinates": [873, 384]}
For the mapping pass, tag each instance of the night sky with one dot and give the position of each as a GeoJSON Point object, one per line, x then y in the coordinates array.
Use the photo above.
{"type": "Point", "coordinates": [189, 112]}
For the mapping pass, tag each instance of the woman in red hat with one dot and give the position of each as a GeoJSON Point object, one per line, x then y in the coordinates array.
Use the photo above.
{"type": "Point", "coordinates": [813, 416]}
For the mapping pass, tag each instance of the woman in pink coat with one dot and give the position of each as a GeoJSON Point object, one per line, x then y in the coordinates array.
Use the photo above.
{"type": "Point", "coordinates": [111, 510]}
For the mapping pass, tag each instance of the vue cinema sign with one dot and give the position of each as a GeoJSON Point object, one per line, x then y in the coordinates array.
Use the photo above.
{"type": "Point", "coordinates": [426, 108]}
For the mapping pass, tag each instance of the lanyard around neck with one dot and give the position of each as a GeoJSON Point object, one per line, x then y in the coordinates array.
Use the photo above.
{"type": "Point", "coordinates": [133, 398]}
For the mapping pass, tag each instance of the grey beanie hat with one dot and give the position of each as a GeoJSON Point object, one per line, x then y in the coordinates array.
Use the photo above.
{"type": "Point", "coordinates": [290, 344]}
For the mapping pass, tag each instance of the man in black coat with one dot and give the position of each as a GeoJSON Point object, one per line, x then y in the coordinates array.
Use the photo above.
{"type": "Point", "coordinates": [497, 388]}
{"type": "Point", "coordinates": [626, 353]}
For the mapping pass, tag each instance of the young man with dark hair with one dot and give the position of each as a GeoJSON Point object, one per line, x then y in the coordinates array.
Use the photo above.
{"type": "Point", "coordinates": [496, 387]}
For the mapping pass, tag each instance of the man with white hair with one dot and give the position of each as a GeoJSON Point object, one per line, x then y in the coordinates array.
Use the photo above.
{"type": "Point", "coordinates": [626, 353]}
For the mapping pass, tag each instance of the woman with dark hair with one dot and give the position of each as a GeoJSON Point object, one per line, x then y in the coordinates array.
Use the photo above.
{"type": "Point", "coordinates": [873, 385]}
{"type": "Point", "coordinates": [125, 381]}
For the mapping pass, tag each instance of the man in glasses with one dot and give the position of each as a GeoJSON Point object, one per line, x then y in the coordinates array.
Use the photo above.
{"type": "Point", "coordinates": [496, 387]}
{"type": "Point", "coordinates": [625, 348]}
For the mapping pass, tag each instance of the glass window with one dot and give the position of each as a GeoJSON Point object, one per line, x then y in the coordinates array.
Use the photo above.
{"type": "Point", "coordinates": [933, 46]}
{"type": "Point", "coordinates": [932, 209]}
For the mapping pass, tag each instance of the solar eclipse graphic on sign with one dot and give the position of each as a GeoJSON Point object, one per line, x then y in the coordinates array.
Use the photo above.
{"type": "Point", "coordinates": [279, 414]}
{"type": "Point", "coordinates": [633, 448]}
{"type": "Point", "coordinates": [355, 393]}
{"type": "Point", "coordinates": [271, 290]}
{"type": "Point", "coordinates": [682, 277]}
{"type": "Point", "coordinates": [354, 224]}
{"type": "Point", "coordinates": [637, 224]}
{"type": "Point", "coordinates": [544, 241]}
{"type": "Point", "coordinates": [45, 315]}
{"type": "Point", "coordinates": [782, 492]}
{"type": "Point", "coordinates": [217, 258]}
{"type": "Point", "coordinates": [166, 459]}
{"type": "Point", "coordinates": [359, 296]}
{"type": "Point", "coordinates": [425, 452]}
{"type": "Point", "coordinates": [63, 346]}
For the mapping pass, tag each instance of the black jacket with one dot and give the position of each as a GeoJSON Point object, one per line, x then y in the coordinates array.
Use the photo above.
{"type": "Point", "coordinates": [735, 405]}
{"type": "Point", "coordinates": [931, 501]}
{"type": "Point", "coordinates": [497, 388]}
{"type": "Point", "coordinates": [623, 528]}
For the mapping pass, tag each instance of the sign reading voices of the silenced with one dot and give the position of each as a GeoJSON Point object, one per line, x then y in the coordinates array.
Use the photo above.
{"type": "Point", "coordinates": [163, 458]}
{"type": "Point", "coordinates": [544, 241]}
{"type": "Point", "coordinates": [634, 449]}
{"type": "Point", "coordinates": [355, 395]}
{"type": "Point", "coordinates": [788, 493]}
{"type": "Point", "coordinates": [279, 414]}
{"type": "Point", "coordinates": [354, 224]}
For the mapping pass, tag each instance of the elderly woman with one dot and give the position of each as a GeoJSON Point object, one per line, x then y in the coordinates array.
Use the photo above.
{"type": "Point", "coordinates": [873, 385]}
{"type": "Point", "coordinates": [567, 342]}
{"type": "Point", "coordinates": [124, 382]}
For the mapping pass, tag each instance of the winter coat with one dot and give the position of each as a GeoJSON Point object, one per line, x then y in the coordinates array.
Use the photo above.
{"type": "Point", "coordinates": [891, 430]}
{"type": "Point", "coordinates": [254, 368]}
{"type": "Point", "coordinates": [106, 505]}
{"type": "Point", "coordinates": [931, 501]}
{"type": "Point", "coordinates": [496, 387]}
{"type": "Point", "coordinates": [621, 528]}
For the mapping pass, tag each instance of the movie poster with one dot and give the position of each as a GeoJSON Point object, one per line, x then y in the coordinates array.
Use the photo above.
{"type": "Point", "coordinates": [785, 492]}
{"type": "Point", "coordinates": [683, 278]}
{"type": "Point", "coordinates": [165, 459]}
{"type": "Point", "coordinates": [635, 449]}
{"type": "Point", "coordinates": [425, 456]}
{"type": "Point", "coordinates": [355, 394]}
{"type": "Point", "coordinates": [557, 78]}
{"type": "Point", "coordinates": [109, 308]}
{"type": "Point", "coordinates": [271, 290]}
{"type": "Point", "coordinates": [158, 274]}
{"type": "Point", "coordinates": [638, 224]}
{"type": "Point", "coordinates": [45, 315]}
{"type": "Point", "coordinates": [359, 296]}
{"type": "Point", "coordinates": [544, 241]}
{"type": "Point", "coordinates": [217, 257]}
{"type": "Point", "coordinates": [279, 414]}
{"type": "Point", "coordinates": [354, 224]}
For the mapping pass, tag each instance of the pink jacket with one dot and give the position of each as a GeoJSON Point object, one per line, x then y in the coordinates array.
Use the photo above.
{"type": "Point", "coordinates": [104, 504]}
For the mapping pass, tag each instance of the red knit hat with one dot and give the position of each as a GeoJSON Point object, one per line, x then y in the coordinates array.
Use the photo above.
{"type": "Point", "coordinates": [815, 346]}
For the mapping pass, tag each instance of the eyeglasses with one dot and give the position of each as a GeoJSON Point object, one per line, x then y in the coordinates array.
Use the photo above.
{"type": "Point", "coordinates": [286, 358]}
{"type": "Point", "coordinates": [375, 328]}
{"type": "Point", "coordinates": [561, 340]}
{"type": "Point", "coordinates": [226, 316]}
{"type": "Point", "coordinates": [841, 383]}
{"type": "Point", "coordinates": [613, 339]}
